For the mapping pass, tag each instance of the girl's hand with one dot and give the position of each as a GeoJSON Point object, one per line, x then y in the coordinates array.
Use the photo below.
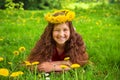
{"type": "Point", "coordinates": [46, 67]}
{"type": "Point", "coordinates": [53, 66]}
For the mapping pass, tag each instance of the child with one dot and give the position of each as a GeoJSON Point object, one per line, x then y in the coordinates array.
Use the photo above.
{"type": "Point", "coordinates": [59, 40]}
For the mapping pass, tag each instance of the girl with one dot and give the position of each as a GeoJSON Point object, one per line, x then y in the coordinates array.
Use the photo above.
{"type": "Point", "coordinates": [59, 40]}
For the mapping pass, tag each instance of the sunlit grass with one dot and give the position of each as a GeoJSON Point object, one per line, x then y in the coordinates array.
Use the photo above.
{"type": "Point", "coordinates": [99, 27]}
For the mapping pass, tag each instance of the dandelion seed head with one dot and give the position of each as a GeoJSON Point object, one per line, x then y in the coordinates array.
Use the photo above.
{"type": "Point", "coordinates": [47, 78]}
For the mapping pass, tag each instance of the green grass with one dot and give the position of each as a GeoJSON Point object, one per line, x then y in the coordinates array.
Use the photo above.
{"type": "Point", "coordinates": [98, 26]}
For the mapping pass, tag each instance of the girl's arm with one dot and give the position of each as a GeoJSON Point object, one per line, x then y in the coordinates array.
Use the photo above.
{"type": "Point", "coordinates": [53, 66]}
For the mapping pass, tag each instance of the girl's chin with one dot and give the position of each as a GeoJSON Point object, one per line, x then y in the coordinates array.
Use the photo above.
{"type": "Point", "coordinates": [61, 43]}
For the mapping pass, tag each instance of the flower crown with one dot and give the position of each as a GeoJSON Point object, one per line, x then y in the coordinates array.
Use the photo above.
{"type": "Point", "coordinates": [60, 16]}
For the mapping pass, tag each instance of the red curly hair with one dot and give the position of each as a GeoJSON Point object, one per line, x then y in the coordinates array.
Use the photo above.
{"type": "Point", "coordinates": [74, 47]}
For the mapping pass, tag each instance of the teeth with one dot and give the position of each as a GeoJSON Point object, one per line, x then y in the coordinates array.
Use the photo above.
{"type": "Point", "coordinates": [61, 38]}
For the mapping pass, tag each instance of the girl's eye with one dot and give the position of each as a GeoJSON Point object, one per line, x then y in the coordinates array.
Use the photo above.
{"type": "Point", "coordinates": [65, 29]}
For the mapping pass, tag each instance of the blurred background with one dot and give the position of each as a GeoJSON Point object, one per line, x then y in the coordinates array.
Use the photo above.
{"type": "Point", "coordinates": [52, 4]}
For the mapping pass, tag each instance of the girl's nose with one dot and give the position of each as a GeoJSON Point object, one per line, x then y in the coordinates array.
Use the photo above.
{"type": "Point", "coordinates": [61, 33]}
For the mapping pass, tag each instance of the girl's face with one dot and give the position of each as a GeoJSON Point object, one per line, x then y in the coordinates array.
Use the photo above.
{"type": "Point", "coordinates": [61, 33]}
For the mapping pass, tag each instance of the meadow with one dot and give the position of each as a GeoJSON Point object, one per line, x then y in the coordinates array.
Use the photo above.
{"type": "Point", "coordinates": [99, 27]}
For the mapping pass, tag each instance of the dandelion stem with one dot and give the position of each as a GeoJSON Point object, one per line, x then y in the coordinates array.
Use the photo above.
{"type": "Point", "coordinates": [35, 72]}
{"type": "Point", "coordinates": [63, 74]}
{"type": "Point", "coordinates": [82, 78]}
{"type": "Point", "coordinates": [76, 74]}
{"type": "Point", "coordinates": [82, 75]}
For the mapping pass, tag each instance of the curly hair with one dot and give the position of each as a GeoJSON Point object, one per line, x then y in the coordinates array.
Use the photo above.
{"type": "Point", "coordinates": [44, 48]}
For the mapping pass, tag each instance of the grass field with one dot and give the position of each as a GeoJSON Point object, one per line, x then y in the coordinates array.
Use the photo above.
{"type": "Point", "coordinates": [98, 26]}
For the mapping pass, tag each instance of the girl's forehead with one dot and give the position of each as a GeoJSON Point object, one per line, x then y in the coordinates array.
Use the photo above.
{"type": "Point", "coordinates": [62, 25]}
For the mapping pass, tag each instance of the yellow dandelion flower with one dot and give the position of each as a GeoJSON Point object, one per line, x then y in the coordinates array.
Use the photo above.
{"type": "Point", "coordinates": [63, 66]}
{"type": "Point", "coordinates": [75, 66]}
{"type": "Point", "coordinates": [15, 74]}
{"type": "Point", "coordinates": [33, 13]}
{"type": "Point", "coordinates": [109, 24]}
{"type": "Point", "coordinates": [16, 52]}
{"type": "Point", "coordinates": [27, 63]}
{"type": "Point", "coordinates": [1, 39]}
{"type": "Point", "coordinates": [65, 15]}
{"type": "Point", "coordinates": [21, 49]}
{"type": "Point", "coordinates": [4, 72]}
{"type": "Point", "coordinates": [39, 75]}
{"type": "Point", "coordinates": [70, 16]}
{"type": "Point", "coordinates": [38, 20]}
{"type": "Point", "coordinates": [24, 21]}
{"type": "Point", "coordinates": [97, 23]}
{"type": "Point", "coordinates": [66, 58]}
{"type": "Point", "coordinates": [1, 58]}
{"type": "Point", "coordinates": [10, 63]}
{"type": "Point", "coordinates": [35, 63]}
{"type": "Point", "coordinates": [107, 14]}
